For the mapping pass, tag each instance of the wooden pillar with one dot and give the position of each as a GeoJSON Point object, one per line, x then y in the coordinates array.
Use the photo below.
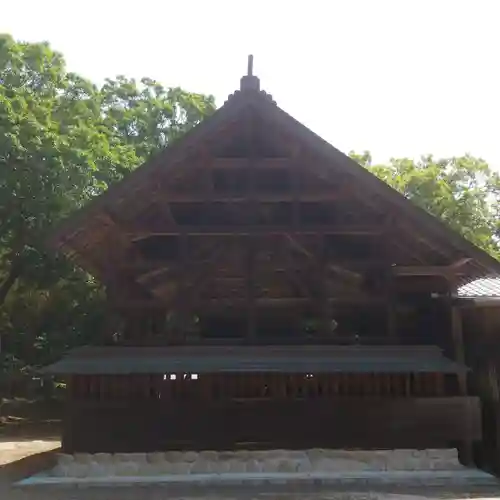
{"type": "Point", "coordinates": [252, 207]}
{"type": "Point", "coordinates": [68, 424]}
{"type": "Point", "coordinates": [182, 308]}
{"type": "Point", "coordinates": [465, 447]}
{"type": "Point", "coordinates": [388, 278]}
{"type": "Point", "coordinates": [391, 297]}
{"type": "Point", "coordinates": [456, 332]}
{"type": "Point", "coordinates": [324, 304]}
{"type": "Point", "coordinates": [492, 440]}
{"type": "Point", "coordinates": [250, 289]}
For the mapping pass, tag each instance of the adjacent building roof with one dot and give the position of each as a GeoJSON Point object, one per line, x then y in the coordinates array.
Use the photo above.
{"type": "Point", "coordinates": [233, 359]}
{"type": "Point", "coordinates": [481, 288]}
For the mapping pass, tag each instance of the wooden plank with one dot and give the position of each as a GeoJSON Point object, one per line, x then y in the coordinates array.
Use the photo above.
{"type": "Point", "coordinates": [353, 230]}
{"type": "Point", "coordinates": [351, 266]}
{"type": "Point", "coordinates": [361, 422]}
{"type": "Point", "coordinates": [260, 302]}
{"type": "Point", "coordinates": [283, 162]}
{"type": "Point", "coordinates": [422, 271]}
{"type": "Point", "coordinates": [261, 197]}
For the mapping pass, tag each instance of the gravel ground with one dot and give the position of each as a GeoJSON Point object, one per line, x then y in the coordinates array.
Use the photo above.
{"type": "Point", "coordinates": [19, 459]}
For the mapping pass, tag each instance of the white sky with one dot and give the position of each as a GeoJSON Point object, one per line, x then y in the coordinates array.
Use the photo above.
{"type": "Point", "coordinates": [398, 78]}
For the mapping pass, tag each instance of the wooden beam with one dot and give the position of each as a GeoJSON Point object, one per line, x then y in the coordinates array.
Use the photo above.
{"type": "Point", "coordinates": [421, 270]}
{"type": "Point", "coordinates": [348, 266]}
{"type": "Point", "coordinates": [325, 264]}
{"type": "Point", "coordinates": [257, 229]}
{"type": "Point", "coordinates": [261, 197]}
{"type": "Point", "coordinates": [460, 263]}
{"type": "Point", "coordinates": [292, 272]}
{"type": "Point", "coordinates": [264, 163]}
{"type": "Point", "coordinates": [260, 302]}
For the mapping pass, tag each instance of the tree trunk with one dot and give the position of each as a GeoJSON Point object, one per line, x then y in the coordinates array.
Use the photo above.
{"type": "Point", "coordinates": [14, 273]}
{"type": "Point", "coordinates": [5, 287]}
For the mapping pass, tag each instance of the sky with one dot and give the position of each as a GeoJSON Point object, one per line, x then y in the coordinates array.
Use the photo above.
{"type": "Point", "coordinates": [394, 77]}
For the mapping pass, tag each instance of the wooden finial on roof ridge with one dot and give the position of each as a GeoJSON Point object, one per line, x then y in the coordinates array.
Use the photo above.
{"type": "Point", "coordinates": [250, 81]}
{"type": "Point", "coordinates": [250, 65]}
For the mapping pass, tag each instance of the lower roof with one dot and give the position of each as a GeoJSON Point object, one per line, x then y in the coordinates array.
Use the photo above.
{"type": "Point", "coordinates": [240, 359]}
{"type": "Point", "coordinates": [481, 288]}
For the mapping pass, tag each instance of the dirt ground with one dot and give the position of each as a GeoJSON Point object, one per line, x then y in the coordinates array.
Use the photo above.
{"type": "Point", "coordinates": [29, 440]}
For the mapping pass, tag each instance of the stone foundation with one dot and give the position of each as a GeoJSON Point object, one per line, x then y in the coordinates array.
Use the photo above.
{"type": "Point", "coordinates": [251, 462]}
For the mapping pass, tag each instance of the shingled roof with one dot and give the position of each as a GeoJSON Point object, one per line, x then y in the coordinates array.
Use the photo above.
{"type": "Point", "coordinates": [234, 359]}
{"type": "Point", "coordinates": [481, 288]}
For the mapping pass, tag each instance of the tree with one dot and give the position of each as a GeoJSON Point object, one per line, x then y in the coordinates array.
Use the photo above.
{"type": "Point", "coordinates": [149, 116]}
{"type": "Point", "coordinates": [63, 140]}
{"type": "Point", "coordinates": [463, 191]}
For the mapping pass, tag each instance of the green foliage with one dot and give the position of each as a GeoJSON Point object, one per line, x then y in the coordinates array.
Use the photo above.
{"type": "Point", "coordinates": [63, 140]}
{"type": "Point", "coordinates": [462, 191]}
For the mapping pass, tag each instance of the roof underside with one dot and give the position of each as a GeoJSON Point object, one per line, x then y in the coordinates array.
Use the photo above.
{"type": "Point", "coordinates": [218, 359]}
{"type": "Point", "coordinates": [253, 177]}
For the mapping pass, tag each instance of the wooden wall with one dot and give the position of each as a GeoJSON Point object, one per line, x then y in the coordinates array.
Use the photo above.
{"type": "Point", "coordinates": [481, 329]}
{"type": "Point", "coordinates": [147, 413]}
{"type": "Point", "coordinates": [367, 423]}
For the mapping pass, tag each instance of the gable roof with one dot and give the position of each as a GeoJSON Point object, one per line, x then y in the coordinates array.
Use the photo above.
{"type": "Point", "coordinates": [251, 97]}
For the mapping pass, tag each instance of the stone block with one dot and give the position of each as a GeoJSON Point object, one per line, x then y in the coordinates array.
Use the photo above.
{"type": "Point", "coordinates": [315, 454]}
{"type": "Point", "coordinates": [173, 456]}
{"type": "Point", "coordinates": [60, 470]}
{"type": "Point", "coordinates": [126, 468]}
{"type": "Point", "coordinates": [65, 459]}
{"type": "Point", "coordinates": [304, 465]}
{"type": "Point", "coordinates": [190, 456]}
{"type": "Point", "coordinates": [286, 465]}
{"type": "Point", "coordinates": [103, 458]}
{"type": "Point", "coordinates": [201, 466]}
{"type": "Point", "coordinates": [79, 470]}
{"type": "Point", "coordinates": [236, 466]}
{"type": "Point", "coordinates": [121, 457]}
{"type": "Point", "coordinates": [323, 465]}
{"type": "Point", "coordinates": [270, 465]}
{"type": "Point", "coordinates": [180, 467]}
{"type": "Point", "coordinates": [253, 465]}
{"type": "Point", "coordinates": [209, 455]}
{"type": "Point", "coordinates": [241, 455]}
{"type": "Point", "coordinates": [137, 457]}
{"type": "Point", "coordinates": [97, 469]}
{"type": "Point", "coordinates": [156, 457]}
{"type": "Point", "coordinates": [83, 458]}
{"type": "Point", "coordinates": [158, 468]}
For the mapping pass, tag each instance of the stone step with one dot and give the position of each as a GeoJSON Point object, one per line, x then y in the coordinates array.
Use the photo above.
{"type": "Point", "coordinates": [285, 467]}
{"type": "Point", "coordinates": [404, 479]}
{"type": "Point", "coordinates": [261, 462]}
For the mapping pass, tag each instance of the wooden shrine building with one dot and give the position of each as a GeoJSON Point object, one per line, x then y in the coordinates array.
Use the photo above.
{"type": "Point", "coordinates": [267, 291]}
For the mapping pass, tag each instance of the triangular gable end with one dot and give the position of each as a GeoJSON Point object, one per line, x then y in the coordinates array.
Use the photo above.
{"type": "Point", "coordinates": [250, 114]}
